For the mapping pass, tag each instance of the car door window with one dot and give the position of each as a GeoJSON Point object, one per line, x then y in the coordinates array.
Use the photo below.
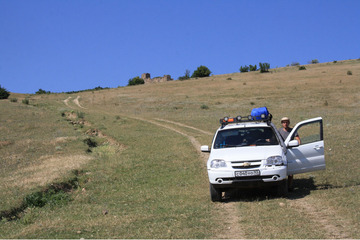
{"type": "Point", "coordinates": [309, 133]}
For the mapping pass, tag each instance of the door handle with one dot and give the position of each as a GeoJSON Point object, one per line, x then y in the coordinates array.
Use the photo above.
{"type": "Point", "coordinates": [318, 147]}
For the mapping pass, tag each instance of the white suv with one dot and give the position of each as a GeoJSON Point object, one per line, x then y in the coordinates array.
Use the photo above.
{"type": "Point", "coordinates": [251, 153]}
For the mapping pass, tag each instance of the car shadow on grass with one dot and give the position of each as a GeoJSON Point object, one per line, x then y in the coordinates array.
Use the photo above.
{"type": "Point", "coordinates": [301, 188]}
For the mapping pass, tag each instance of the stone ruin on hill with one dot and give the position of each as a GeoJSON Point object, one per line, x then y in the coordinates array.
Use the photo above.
{"type": "Point", "coordinates": [148, 79]}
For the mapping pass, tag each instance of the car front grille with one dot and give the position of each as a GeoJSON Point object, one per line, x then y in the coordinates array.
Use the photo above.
{"type": "Point", "coordinates": [246, 164]}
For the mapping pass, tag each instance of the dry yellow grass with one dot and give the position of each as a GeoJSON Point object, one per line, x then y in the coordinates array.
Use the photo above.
{"type": "Point", "coordinates": [45, 171]}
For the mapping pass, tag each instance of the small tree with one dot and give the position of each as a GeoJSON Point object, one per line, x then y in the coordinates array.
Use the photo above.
{"type": "Point", "coordinates": [135, 81]}
{"type": "Point", "coordinates": [201, 71]}
{"type": "Point", "coordinates": [314, 61]}
{"type": "Point", "coordinates": [264, 67]}
{"type": "Point", "coordinates": [186, 76]}
{"type": "Point", "coordinates": [244, 68]}
{"type": "Point", "coordinates": [3, 93]}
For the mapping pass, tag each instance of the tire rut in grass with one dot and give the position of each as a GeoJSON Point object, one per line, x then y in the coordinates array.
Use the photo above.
{"type": "Point", "coordinates": [75, 101]}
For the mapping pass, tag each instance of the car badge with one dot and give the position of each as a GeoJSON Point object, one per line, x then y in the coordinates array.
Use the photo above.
{"type": "Point", "coordinates": [246, 164]}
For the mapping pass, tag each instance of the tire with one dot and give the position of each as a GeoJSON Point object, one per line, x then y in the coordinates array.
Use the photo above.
{"type": "Point", "coordinates": [215, 194]}
{"type": "Point", "coordinates": [282, 188]}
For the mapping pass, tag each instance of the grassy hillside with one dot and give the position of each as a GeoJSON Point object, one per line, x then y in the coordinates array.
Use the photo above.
{"type": "Point", "coordinates": [125, 162]}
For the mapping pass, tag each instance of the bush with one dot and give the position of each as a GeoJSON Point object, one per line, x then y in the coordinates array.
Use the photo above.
{"type": "Point", "coordinates": [302, 68]}
{"type": "Point", "coordinates": [41, 91]}
{"type": "Point", "coordinates": [90, 142]}
{"type": "Point", "coordinates": [264, 67]}
{"type": "Point", "coordinates": [186, 76]}
{"type": "Point", "coordinates": [349, 73]}
{"type": "Point", "coordinates": [201, 71]}
{"type": "Point", "coordinates": [136, 81]}
{"type": "Point", "coordinates": [13, 99]}
{"type": "Point", "coordinates": [51, 197]}
{"type": "Point", "coordinates": [3, 93]}
{"type": "Point", "coordinates": [295, 64]}
{"type": "Point", "coordinates": [253, 68]}
{"type": "Point", "coordinates": [26, 101]}
{"type": "Point", "coordinates": [314, 61]}
{"type": "Point", "coordinates": [205, 107]}
{"type": "Point", "coordinates": [244, 69]}
{"type": "Point", "coordinates": [80, 115]}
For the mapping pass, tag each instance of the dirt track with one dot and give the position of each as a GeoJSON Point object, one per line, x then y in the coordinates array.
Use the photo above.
{"type": "Point", "coordinates": [76, 101]}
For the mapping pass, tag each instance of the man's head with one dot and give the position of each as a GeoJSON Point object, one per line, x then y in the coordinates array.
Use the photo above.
{"type": "Point", "coordinates": [285, 122]}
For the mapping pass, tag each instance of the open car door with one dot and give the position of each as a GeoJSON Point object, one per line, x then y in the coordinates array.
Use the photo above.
{"type": "Point", "coordinates": [308, 156]}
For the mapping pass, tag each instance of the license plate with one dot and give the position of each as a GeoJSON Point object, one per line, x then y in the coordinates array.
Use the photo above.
{"type": "Point", "coordinates": [247, 173]}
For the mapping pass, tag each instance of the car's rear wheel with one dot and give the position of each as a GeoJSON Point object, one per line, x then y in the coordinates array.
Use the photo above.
{"type": "Point", "coordinates": [215, 194]}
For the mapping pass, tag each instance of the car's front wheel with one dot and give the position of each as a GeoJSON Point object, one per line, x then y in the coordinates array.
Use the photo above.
{"type": "Point", "coordinates": [215, 194]}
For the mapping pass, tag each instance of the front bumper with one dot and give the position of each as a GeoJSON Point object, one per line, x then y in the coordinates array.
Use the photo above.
{"type": "Point", "coordinates": [225, 178]}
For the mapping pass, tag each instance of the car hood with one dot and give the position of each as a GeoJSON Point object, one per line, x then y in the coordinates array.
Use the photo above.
{"type": "Point", "coordinates": [245, 153]}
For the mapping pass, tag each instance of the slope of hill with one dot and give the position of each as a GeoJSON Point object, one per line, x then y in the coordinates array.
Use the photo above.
{"type": "Point", "coordinates": [125, 162]}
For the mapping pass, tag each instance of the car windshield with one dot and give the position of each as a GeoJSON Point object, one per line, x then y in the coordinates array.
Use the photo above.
{"type": "Point", "coordinates": [239, 137]}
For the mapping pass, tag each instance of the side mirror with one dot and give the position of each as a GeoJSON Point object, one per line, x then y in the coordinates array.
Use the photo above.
{"type": "Point", "coordinates": [293, 143]}
{"type": "Point", "coordinates": [205, 148]}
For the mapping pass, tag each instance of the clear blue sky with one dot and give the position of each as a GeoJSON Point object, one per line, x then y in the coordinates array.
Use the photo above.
{"type": "Point", "coordinates": [70, 45]}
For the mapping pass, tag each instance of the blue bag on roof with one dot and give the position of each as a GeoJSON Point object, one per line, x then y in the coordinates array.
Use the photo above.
{"type": "Point", "coordinates": [256, 113]}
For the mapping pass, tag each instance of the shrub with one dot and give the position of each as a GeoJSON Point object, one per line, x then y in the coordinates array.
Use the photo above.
{"type": "Point", "coordinates": [349, 73]}
{"type": "Point", "coordinates": [244, 69]}
{"type": "Point", "coordinates": [26, 101]}
{"type": "Point", "coordinates": [3, 93]}
{"type": "Point", "coordinates": [80, 114]}
{"type": "Point", "coordinates": [201, 71]}
{"type": "Point", "coordinates": [264, 67]}
{"type": "Point", "coordinates": [204, 107]}
{"type": "Point", "coordinates": [302, 68]}
{"type": "Point", "coordinates": [136, 81]}
{"type": "Point", "coordinates": [90, 142]}
{"type": "Point", "coordinates": [13, 99]}
{"type": "Point", "coordinates": [51, 197]}
{"type": "Point", "coordinates": [186, 76]}
{"type": "Point", "coordinates": [253, 68]}
{"type": "Point", "coordinates": [295, 64]}
{"type": "Point", "coordinates": [314, 61]}
{"type": "Point", "coordinates": [41, 91]}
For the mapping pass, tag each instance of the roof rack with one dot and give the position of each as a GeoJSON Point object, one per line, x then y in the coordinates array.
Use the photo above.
{"type": "Point", "coordinates": [240, 119]}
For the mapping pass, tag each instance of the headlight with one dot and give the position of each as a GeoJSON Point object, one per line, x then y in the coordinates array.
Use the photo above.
{"type": "Point", "coordinates": [217, 163]}
{"type": "Point", "coordinates": [275, 160]}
